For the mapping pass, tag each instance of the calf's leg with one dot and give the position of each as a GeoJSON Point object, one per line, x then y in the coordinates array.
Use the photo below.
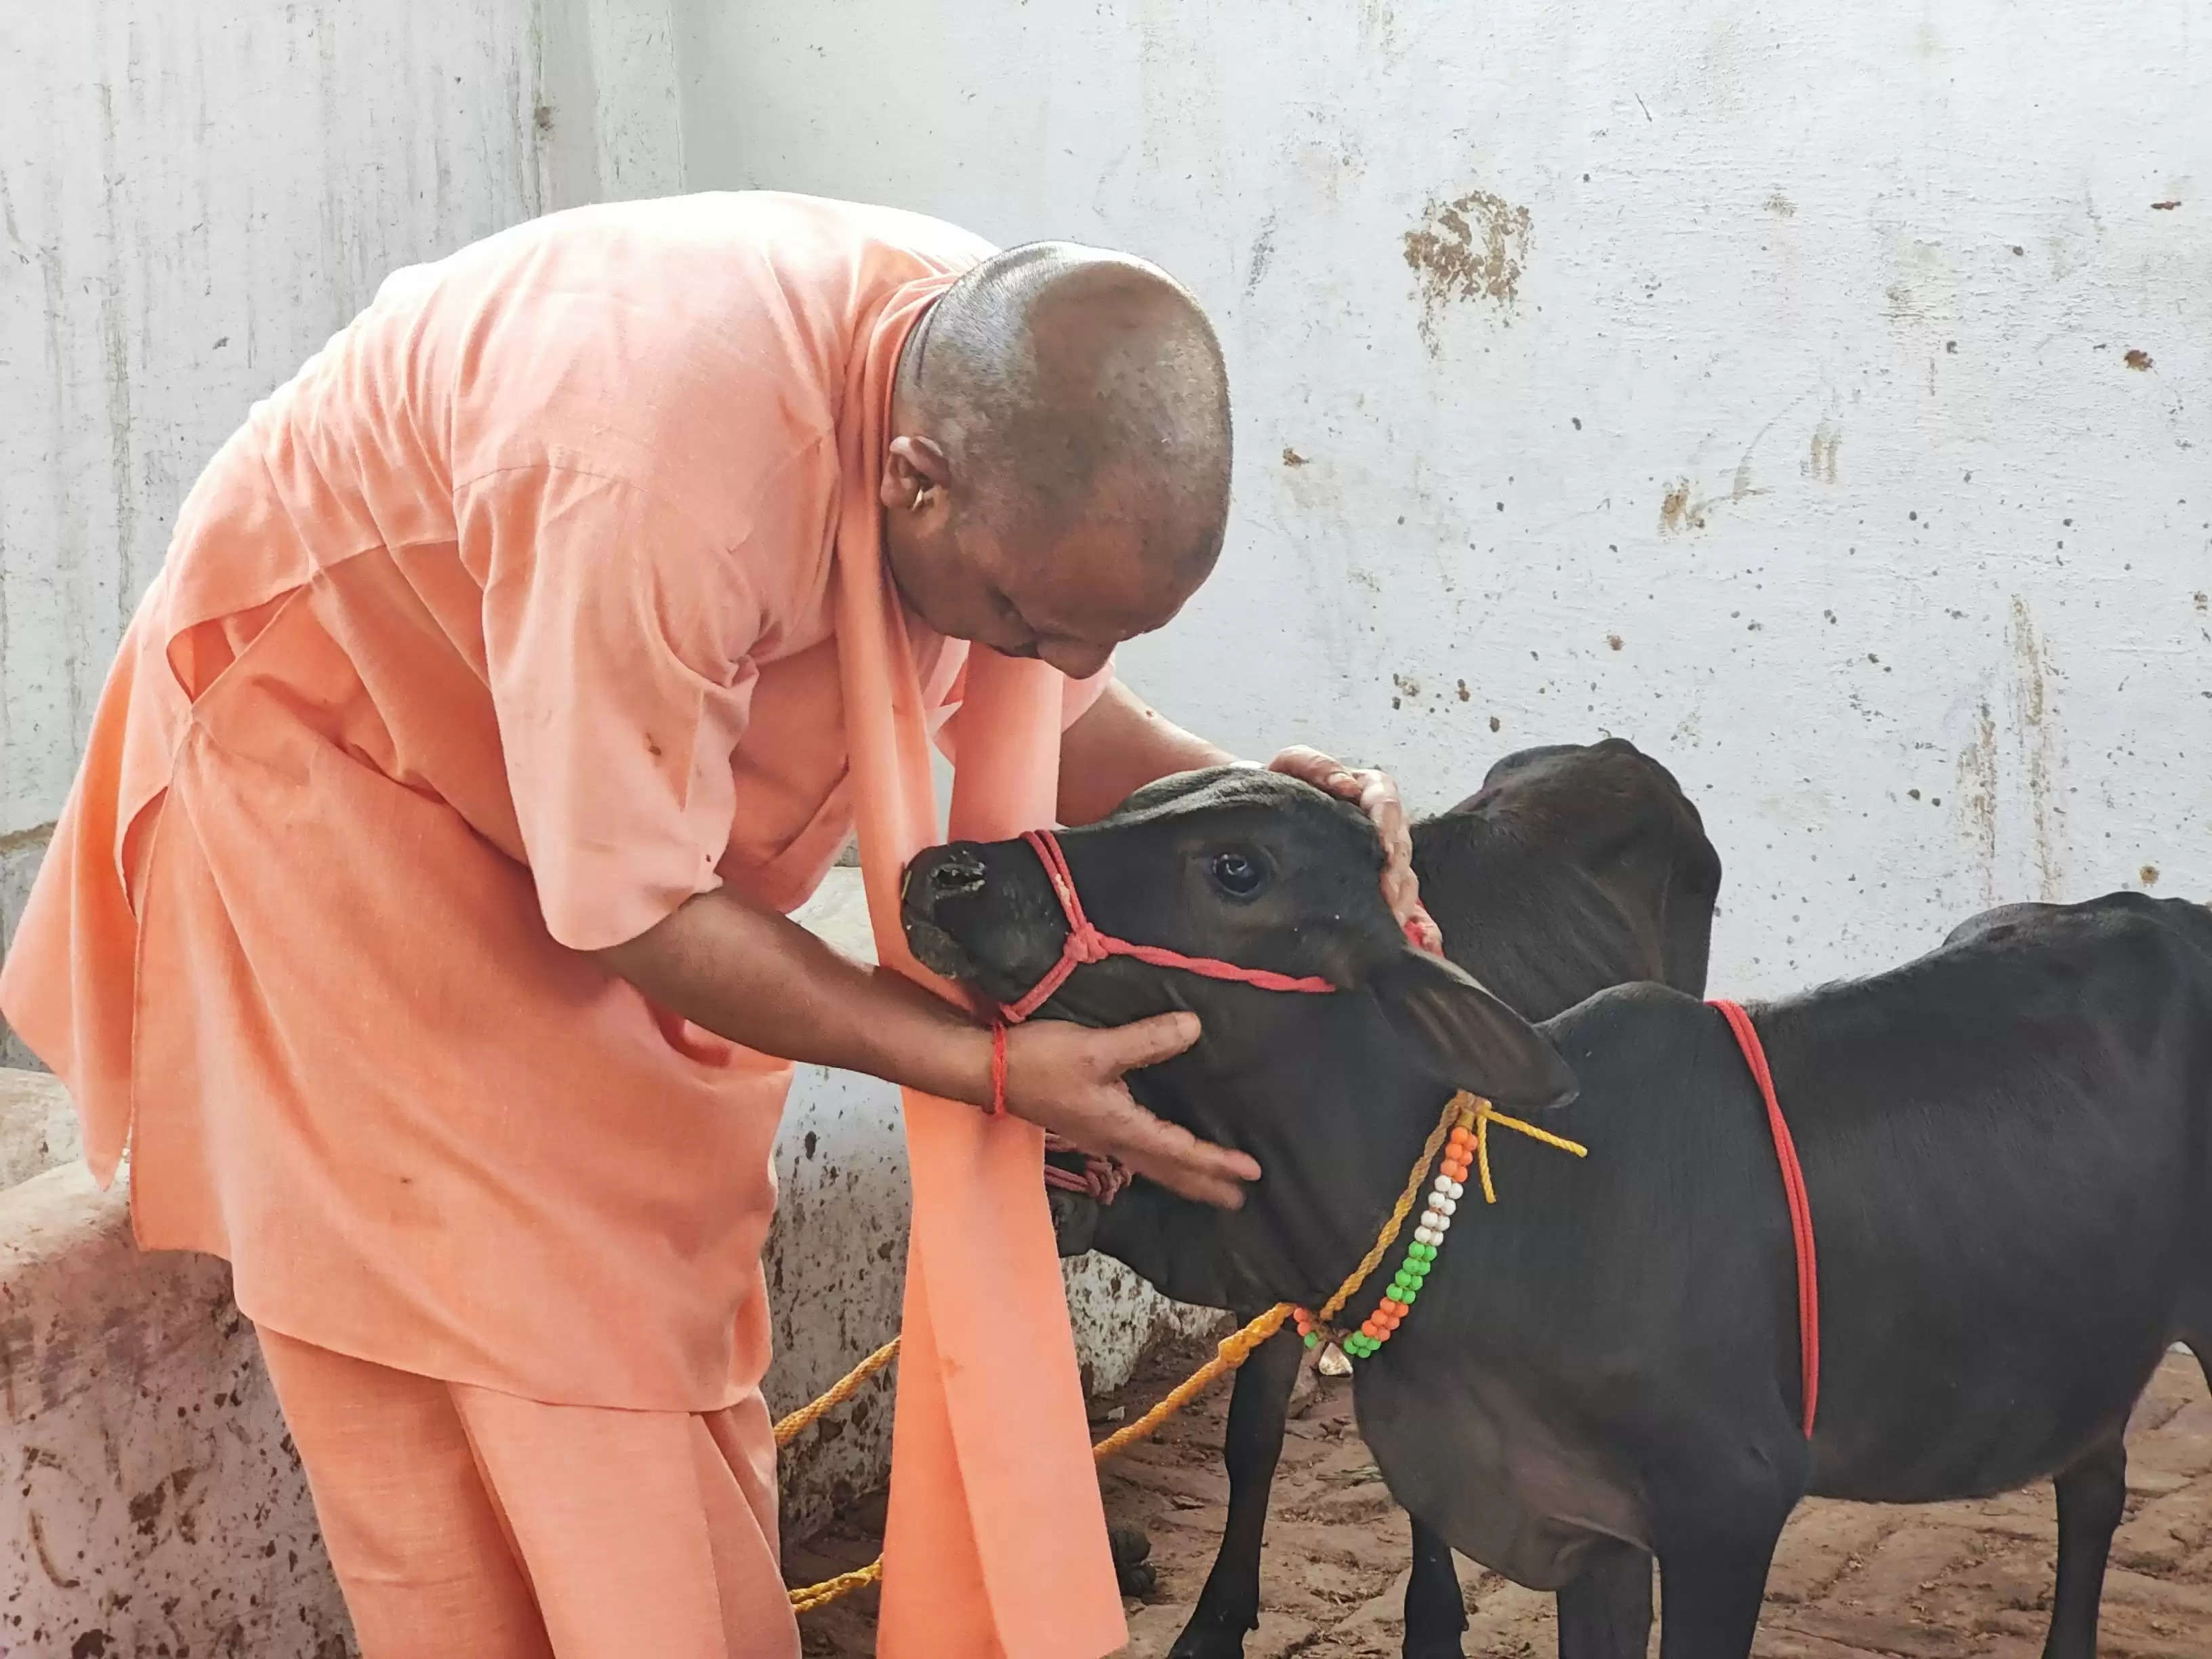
{"type": "Point", "coordinates": [1436, 1615]}
{"type": "Point", "coordinates": [2091, 1495]}
{"type": "Point", "coordinates": [1713, 1562]}
{"type": "Point", "coordinates": [1606, 1613]}
{"type": "Point", "coordinates": [1259, 1407]}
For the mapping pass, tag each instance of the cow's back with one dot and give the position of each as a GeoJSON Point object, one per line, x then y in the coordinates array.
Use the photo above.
{"type": "Point", "coordinates": [2005, 1148]}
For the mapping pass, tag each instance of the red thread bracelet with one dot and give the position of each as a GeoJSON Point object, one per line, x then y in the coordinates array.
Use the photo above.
{"type": "Point", "coordinates": [998, 1068]}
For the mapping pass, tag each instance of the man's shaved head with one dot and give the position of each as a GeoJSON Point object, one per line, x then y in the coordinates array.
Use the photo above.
{"type": "Point", "coordinates": [1071, 408]}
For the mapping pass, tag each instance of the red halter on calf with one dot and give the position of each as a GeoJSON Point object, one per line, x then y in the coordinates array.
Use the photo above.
{"type": "Point", "coordinates": [1086, 944]}
{"type": "Point", "coordinates": [1102, 1178]}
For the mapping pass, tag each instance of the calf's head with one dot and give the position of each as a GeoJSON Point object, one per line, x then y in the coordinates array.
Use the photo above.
{"type": "Point", "coordinates": [1331, 1092]}
{"type": "Point", "coordinates": [1575, 868]}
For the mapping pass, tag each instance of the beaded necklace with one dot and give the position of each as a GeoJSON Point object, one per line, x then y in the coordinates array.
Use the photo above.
{"type": "Point", "coordinates": [1463, 1136]}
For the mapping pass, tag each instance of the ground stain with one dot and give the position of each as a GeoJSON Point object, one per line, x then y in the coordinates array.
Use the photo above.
{"type": "Point", "coordinates": [2137, 360]}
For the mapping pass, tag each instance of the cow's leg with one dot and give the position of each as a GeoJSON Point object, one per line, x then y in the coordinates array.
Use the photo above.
{"type": "Point", "coordinates": [1435, 1612]}
{"type": "Point", "coordinates": [1713, 1563]}
{"type": "Point", "coordinates": [1606, 1614]}
{"type": "Point", "coordinates": [1259, 1407]}
{"type": "Point", "coordinates": [2091, 1495]}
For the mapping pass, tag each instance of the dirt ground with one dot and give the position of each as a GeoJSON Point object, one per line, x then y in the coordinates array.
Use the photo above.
{"type": "Point", "coordinates": [1953, 1581]}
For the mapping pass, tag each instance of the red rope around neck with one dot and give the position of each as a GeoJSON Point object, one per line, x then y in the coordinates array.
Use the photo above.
{"type": "Point", "coordinates": [1800, 1207]}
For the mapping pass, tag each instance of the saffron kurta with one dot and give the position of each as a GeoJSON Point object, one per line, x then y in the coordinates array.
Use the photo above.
{"type": "Point", "coordinates": [505, 627]}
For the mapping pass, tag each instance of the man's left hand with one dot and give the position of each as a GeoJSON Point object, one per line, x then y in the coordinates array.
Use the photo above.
{"type": "Point", "coordinates": [1376, 794]}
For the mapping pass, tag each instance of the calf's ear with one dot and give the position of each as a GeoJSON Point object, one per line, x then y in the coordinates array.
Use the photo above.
{"type": "Point", "coordinates": [1472, 1039]}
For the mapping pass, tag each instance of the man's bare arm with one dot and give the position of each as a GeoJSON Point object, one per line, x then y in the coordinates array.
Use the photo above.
{"type": "Point", "coordinates": [757, 978]}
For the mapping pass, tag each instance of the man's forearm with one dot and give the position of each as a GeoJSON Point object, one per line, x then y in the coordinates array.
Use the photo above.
{"type": "Point", "coordinates": [759, 978]}
{"type": "Point", "coordinates": [1120, 745]}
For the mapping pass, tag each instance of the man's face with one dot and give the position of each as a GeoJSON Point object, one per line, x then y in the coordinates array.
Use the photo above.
{"type": "Point", "coordinates": [1066, 596]}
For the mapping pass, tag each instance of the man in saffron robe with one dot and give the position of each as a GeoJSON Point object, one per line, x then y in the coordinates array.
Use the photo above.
{"type": "Point", "coordinates": [418, 917]}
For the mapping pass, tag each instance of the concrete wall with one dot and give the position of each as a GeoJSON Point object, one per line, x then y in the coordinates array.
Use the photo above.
{"type": "Point", "coordinates": [1816, 395]}
{"type": "Point", "coordinates": [193, 198]}
{"type": "Point", "coordinates": [156, 1505]}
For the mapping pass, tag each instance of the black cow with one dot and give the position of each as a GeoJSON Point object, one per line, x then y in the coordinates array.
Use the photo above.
{"type": "Point", "coordinates": [2007, 1145]}
{"type": "Point", "coordinates": [1574, 868]}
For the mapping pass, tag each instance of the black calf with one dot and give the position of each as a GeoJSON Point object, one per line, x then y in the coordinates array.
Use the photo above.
{"type": "Point", "coordinates": [1573, 868]}
{"type": "Point", "coordinates": [2008, 1144]}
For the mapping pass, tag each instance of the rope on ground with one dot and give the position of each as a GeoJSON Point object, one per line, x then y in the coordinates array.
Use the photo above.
{"type": "Point", "coordinates": [1236, 1348]}
{"type": "Point", "coordinates": [843, 1389]}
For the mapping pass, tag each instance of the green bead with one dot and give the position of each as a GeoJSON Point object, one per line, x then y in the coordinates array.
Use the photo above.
{"type": "Point", "coordinates": [1420, 1271]}
{"type": "Point", "coordinates": [1412, 1294]}
{"type": "Point", "coordinates": [1313, 1338]}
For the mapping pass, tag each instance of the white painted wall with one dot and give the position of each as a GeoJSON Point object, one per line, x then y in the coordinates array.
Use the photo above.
{"type": "Point", "coordinates": [1854, 288]}
{"type": "Point", "coordinates": [193, 198]}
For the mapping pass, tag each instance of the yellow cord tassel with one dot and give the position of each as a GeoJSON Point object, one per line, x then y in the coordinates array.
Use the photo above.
{"type": "Point", "coordinates": [1485, 1115]}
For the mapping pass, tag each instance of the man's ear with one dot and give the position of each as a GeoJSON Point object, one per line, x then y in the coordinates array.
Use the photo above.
{"type": "Point", "coordinates": [1472, 1039]}
{"type": "Point", "coordinates": [913, 468]}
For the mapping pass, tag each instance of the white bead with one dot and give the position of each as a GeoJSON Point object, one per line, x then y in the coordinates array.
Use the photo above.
{"type": "Point", "coordinates": [1458, 1191]}
{"type": "Point", "coordinates": [1438, 1224]}
{"type": "Point", "coordinates": [1444, 1185]}
{"type": "Point", "coordinates": [1444, 1205]}
{"type": "Point", "coordinates": [1422, 1235]}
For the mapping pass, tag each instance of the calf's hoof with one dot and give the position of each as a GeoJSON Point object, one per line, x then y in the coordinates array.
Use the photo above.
{"type": "Point", "coordinates": [1133, 1570]}
{"type": "Point", "coordinates": [1208, 1644]}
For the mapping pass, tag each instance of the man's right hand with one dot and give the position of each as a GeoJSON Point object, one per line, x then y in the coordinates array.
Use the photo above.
{"type": "Point", "coordinates": [747, 973]}
{"type": "Point", "coordinates": [1068, 1078]}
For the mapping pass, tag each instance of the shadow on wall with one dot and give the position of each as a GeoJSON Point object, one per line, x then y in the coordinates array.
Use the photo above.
{"type": "Point", "coordinates": [20, 854]}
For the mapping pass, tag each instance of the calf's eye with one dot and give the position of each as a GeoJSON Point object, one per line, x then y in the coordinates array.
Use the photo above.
{"type": "Point", "coordinates": [1236, 874]}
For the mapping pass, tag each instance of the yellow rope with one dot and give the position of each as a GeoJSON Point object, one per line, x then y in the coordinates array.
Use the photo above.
{"type": "Point", "coordinates": [1464, 1109]}
{"type": "Point", "coordinates": [832, 1590]}
{"type": "Point", "coordinates": [843, 1389]}
{"type": "Point", "coordinates": [1234, 1351]}
{"type": "Point", "coordinates": [1485, 1116]}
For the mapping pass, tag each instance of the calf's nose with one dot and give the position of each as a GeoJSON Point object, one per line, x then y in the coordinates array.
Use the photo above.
{"type": "Point", "coordinates": [943, 874]}
{"type": "Point", "coordinates": [956, 874]}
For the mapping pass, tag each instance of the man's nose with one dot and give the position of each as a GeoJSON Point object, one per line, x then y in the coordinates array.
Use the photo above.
{"type": "Point", "coordinates": [1077, 662]}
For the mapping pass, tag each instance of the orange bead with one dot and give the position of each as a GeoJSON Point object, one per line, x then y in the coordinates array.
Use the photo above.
{"type": "Point", "coordinates": [1385, 1337]}
{"type": "Point", "coordinates": [1371, 1331]}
